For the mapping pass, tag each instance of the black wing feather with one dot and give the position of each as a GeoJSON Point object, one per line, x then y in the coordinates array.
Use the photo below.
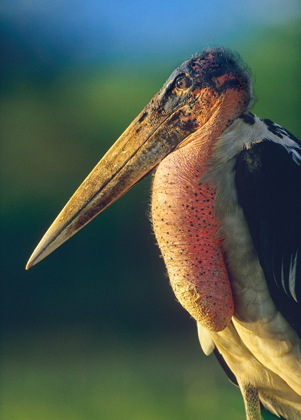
{"type": "Point", "coordinates": [268, 182]}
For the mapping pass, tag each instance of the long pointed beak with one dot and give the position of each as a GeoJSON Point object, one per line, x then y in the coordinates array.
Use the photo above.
{"type": "Point", "coordinates": [149, 138]}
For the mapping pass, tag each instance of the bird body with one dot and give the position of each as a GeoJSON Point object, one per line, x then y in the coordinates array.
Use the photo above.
{"type": "Point", "coordinates": [263, 336]}
{"type": "Point", "coordinates": [259, 345]}
{"type": "Point", "coordinates": [225, 206]}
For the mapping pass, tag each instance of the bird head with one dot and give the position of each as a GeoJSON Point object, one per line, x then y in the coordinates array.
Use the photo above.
{"type": "Point", "coordinates": [207, 92]}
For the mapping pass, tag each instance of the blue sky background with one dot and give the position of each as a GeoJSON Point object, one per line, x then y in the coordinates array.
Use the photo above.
{"type": "Point", "coordinates": [89, 31]}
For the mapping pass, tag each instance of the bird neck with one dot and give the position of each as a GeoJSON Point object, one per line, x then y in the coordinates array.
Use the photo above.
{"type": "Point", "coordinates": [187, 233]}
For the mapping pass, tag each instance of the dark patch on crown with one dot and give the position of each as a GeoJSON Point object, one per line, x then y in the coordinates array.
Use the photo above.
{"type": "Point", "coordinates": [216, 62]}
{"type": "Point", "coordinates": [217, 69]}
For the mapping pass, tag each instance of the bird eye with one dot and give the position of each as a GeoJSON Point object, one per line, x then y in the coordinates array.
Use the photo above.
{"type": "Point", "coordinates": [183, 82]}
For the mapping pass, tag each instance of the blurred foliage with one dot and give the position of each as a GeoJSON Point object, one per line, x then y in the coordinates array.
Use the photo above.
{"type": "Point", "coordinates": [64, 377]}
{"type": "Point", "coordinates": [275, 59]}
{"type": "Point", "coordinates": [109, 277]}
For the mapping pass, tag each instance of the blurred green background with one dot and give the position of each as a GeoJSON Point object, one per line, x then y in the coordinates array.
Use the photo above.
{"type": "Point", "coordinates": [94, 331]}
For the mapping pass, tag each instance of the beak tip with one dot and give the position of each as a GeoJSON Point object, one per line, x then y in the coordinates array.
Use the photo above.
{"type": "Point", "coordinates": [30, 263]}
{"type": "Point", "coordinates": [46, 246]}
{"type": "Point", "coordinates": [35, 257]}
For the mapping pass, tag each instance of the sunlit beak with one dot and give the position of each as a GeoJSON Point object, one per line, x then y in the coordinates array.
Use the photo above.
{"type": "Point", "coordinates": [148, 139]}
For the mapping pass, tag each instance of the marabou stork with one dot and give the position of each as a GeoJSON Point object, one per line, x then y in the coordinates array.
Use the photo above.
{"type": "Point", "coordinates": [226, 203]}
